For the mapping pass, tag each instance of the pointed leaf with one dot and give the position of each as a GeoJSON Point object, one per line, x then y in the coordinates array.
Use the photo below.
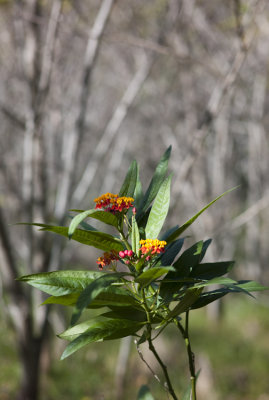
{"type": "Point", "coordinates": [100, 240]}
{"type": "Point", "coordinates": [155, 183]}
{"type": "Point", "coordinates": [209, 297]}
{"type": "Point", "coordinates": [159, 210]}
{"type": "Point", "coordinates": [138, 194]}
{"type": "Point", "coordinates": [211, 270]}
{"type": "Point", "coordinates": [171, 252]}
{"type": "Point", "coordinates": [251, 286]}
{"type": "Point", "coordinates": [103, 216]}
{"type": "Point", "coordinates": [94, 330]}
{"type": "Point", "coordinates": [59, 283]}
{"type": "Point", "coordinates": [187, 224]}
{"type": "Point", "coordinates": [135, 236]}
{"type": "Point", "coordinates": [92, 291]}
{"type": "Point", "coordinates": [185, 303]}
{"type": "Point", "coordinates": [130, 181]}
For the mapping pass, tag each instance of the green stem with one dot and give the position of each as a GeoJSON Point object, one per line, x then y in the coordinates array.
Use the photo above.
{"type": "Point", "coordinates": [185, 334]}
{"type": "Point", "coordinates": [153, 350]}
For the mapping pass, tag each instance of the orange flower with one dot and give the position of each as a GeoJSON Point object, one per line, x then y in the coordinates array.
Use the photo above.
{"type": "Point", "coordinates": [107, 258]}
{"type": "Point", "coordinates": [152, 246]}
{"type": "Point", "coordinates": [113, 203]}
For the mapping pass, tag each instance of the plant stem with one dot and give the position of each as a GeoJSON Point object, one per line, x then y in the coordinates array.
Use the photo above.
{"type": "Point", "coordinates": [164, 368]}
{"type": "Point", "coordinates": [168, 385]}
{"type": "Point", "coordinates": [185, 334]}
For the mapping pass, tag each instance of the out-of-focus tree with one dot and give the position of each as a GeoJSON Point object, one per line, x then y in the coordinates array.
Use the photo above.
{"type": "Point", "coordinates": [88, 85]}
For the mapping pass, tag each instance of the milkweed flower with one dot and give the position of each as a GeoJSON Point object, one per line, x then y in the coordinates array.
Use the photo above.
{"type": "Point", "coordinates": [107, 258]}
{"type": "Point", "coordinates": [152, 246]}
{"type": "Point", "coordinates": [113, 203]}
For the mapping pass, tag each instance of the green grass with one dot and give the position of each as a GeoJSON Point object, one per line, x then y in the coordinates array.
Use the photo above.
{"type": "Point", "coordinates": [236, 349]}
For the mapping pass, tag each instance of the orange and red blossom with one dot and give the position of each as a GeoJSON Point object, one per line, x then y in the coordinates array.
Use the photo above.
{"type": "Point", "coordinates": [113, 203]}
{"type": "Point", "coordinates": [107, 258]}
{"type": "Point", "coordinates": [152, 246]}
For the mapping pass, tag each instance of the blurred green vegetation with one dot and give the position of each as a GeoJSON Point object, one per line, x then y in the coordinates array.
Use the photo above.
{"type": "Point", "coordinates": [236, 349]}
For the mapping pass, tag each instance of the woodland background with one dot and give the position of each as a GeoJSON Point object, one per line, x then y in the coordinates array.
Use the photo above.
{"type": "Point", "coordinates": [87, 86]}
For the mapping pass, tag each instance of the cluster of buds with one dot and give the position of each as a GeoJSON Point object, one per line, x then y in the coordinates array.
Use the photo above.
{"type": "Point", "coordinates": [107, 258]}
{"type": "Point", "coordinates": [126, 255]}
{"type": "Point", "coordinates": [113, 203]}
{"type": "Point", "coordinates": [152, 246]}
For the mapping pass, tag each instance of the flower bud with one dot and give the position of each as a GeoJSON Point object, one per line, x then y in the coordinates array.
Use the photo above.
{"type": "Point", "coordinates": [130, 253]}
{"type": "Point", "coordinates": [122, 254]}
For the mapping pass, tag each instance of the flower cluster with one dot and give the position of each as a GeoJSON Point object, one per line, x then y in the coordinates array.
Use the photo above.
{"type": "Point", "coordinates": [113, 203]}
{"type": "Point", "coordinates": [152, 246]}
{"type": "Point", "coordinates": [107, 258]}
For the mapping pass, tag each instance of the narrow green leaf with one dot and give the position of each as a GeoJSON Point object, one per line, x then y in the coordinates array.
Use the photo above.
{"type": "Point", "coordinates": [171, 252]}
{"type": "Point", "coordinates": [209, 297]}
{"type": "Point", "coordinates": [251, 286]}
{"type": "Point", "coordinates": [111, 296]}
{"type": "Point", "coordinates": [103, 216]}
{"type": "Point", "coordinates": [99, 240]}
{"type": "Point", "coordinates": [185, 303]}
{"type": "Point", "coordinates": [135, 236]}
{"type": "Point", "coordinates": [156, 181]}
{"type": "Point", "coordinates": [129, 313]}
{"type": "Point", "coordinates": [59, 283]}
{"type": "Point", "coordinates": [92, 291]}
{"type": "Point", "coordinates": [217, 281]}
{"type": "Point", "coordinates": [144, 393]}
{"type": "Point", "coordinates": [187, 224]}
{"type": "Point", "coordinates": [159, 210]}
{"type": "Point", "coordinates": [138, 194]}
{"type": "Point", "coordinates": [97, 330]}
{"type": "Point", "coordinates": [152, 274]}
{"type": "Point", "coordinates": [130, 181]}
{"type": "Point", "coordinates": [211, 270]}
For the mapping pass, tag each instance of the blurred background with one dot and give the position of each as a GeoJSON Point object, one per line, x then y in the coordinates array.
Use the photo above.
{"type": "Point", "coordinates": [85, 88]}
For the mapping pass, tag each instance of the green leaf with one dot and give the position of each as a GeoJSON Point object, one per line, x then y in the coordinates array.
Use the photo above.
{"type": "Point", "coordinates": [59, 283]}
{"type": "Point", "coordinates": [99, 240]}
{"type": "Point", "coordinates": [135, 236]}
{"type": "Point", "coordinates": [185, 303]}
{"type": "Point", "coordinates": [103, 216]}
{"type": "Point", "coordinates": [111, 296]}
{"type": "Point", "coordinates": [217, 281]}
{"type": "Point", "coordinates": [97, 330]}
{"type": "Point", "coordinates": [92, 291]}
{"type": "Point", "coordinates": [144, 393]}
{"type": "Point", "coordinates": [129, 313]}
{"type": "Point", "coordinates": [155, 183]}
{"type": "Point", "coordinates": [184, 266]}
{"type": "Point", "coordinates": [209, 297]}
{"type": "Point", "coordinates": [187, 224]}
{"type": "Point", "coordinates": [130, 181]}
{"type": "Point", "coordinates": [152, 274]}
{"type": "Point", "coordinates": [171, 252]}
{"type": "Point", "coordinates": [251, 286]}
{"type": "Point", "coordinates": [159, 210]}
{"type": "Point", "coordinates": [138, 194]}
{"type": "Point", "coordinates": [211, 270]}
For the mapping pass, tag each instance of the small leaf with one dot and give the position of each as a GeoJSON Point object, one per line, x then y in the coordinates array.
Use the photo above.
{"type": "Point", "coordinates": [217, 281]}
{"type": "Point", "coordinates": [130, 181]}
{"type": "Point", "coordinates": [209, 297]}
{"type": "Point", "coordinates": [159, 210]}
{"type": "Point", "coordinates": [187, 224]}
{"type": "Point", "coordinates": [92, 291]}
{"type": "Point", "coordinates": [152, 274]}
{"type": "Point", "coordinates": [144, 393]}
{"type": "Point", "coordinates": [251, 286]}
